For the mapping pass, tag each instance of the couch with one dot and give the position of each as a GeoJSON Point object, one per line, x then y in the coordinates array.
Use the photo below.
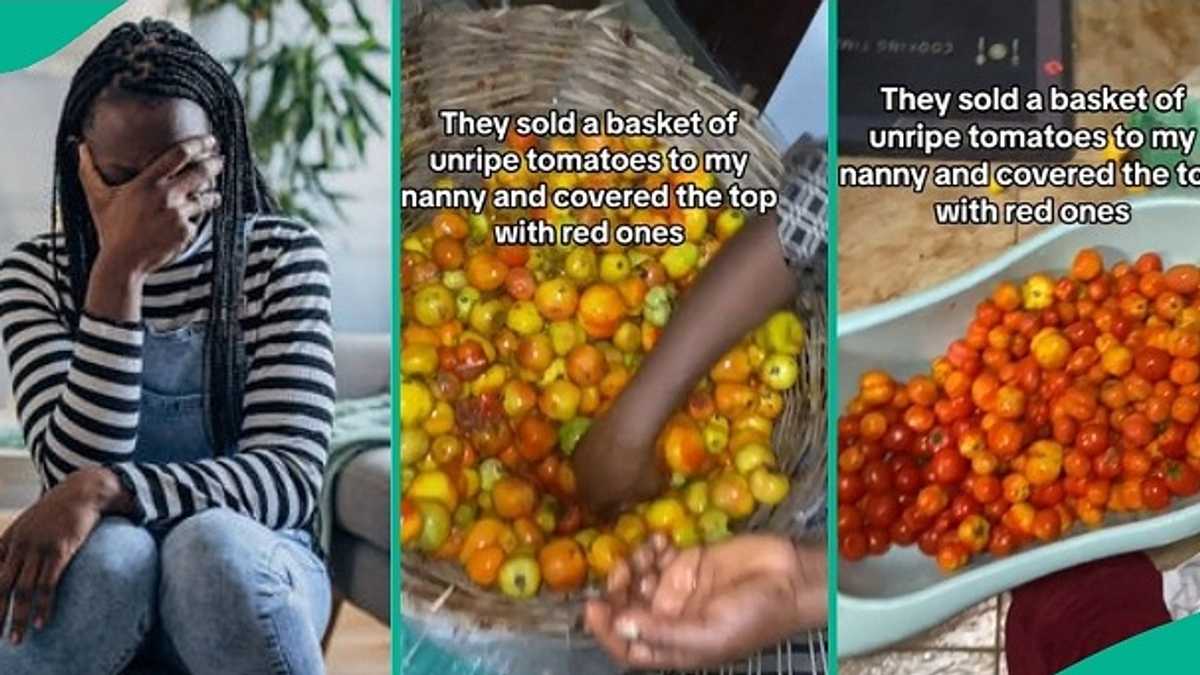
{"type": "Point", "coordinates": [360, 558]}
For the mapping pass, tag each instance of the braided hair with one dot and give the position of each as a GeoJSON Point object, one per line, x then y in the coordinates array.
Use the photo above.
{"type": "Point", "coordinates": [154, 60]}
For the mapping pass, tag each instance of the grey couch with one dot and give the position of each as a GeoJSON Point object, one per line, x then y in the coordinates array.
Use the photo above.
{"type": "Point", "coordinates": [361, 552]}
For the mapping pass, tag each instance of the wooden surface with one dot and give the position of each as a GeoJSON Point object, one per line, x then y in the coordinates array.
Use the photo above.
{"type": "Point", "coordinates": [888, 244]}
{"type": "Point", "coordinates": [360, 644]}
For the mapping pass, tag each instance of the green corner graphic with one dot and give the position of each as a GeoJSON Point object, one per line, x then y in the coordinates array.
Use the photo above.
{"type": "Point", "coordinates": [1163, 649]}
{"type": "Point", "coordinates": [31, 30]}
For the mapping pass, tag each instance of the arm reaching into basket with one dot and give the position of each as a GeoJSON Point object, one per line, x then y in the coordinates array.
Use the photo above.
{"type": "Point", "coordinates": [760, 270]}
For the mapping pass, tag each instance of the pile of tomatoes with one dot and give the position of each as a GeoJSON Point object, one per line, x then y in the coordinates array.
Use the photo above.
{"type": "Point", "coordinates": [509, 352]}
{"type": "Point", "coordinates": [1067, 399]}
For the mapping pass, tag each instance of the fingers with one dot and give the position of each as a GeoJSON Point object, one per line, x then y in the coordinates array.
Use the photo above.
{"type": "Point", "coordinates": [679, 582]}
{"type": "Point", "coordinates": [47, 587]}
{"type": "Point", "coordinates": [199, 204]}
{"type": "Point", "coordinates": [659, 643]}
{"type": "Point", "coordinates": [199, 176]}
{"type": "Point", "coordinates": [597, 617]}
{"type": "Point", "coordinates": [177, 157]}
{"type": "Point", "coordinates": [10, 569]}
{"type": "Point", "coordinates": [94, 186]}
{"type": "Point", "coordinates": [22, 600]}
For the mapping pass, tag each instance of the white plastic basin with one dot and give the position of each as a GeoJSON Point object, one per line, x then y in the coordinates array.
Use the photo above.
{"type": "Point", "coordinates": [882, 600]}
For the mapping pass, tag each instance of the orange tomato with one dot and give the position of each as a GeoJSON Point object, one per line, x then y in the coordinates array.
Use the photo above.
{"type": "Point", "coordinates": [536, 437]}
{"type": "Point", "coordinates": [513, 497]}
{"type": "Point", "coordinates": [683, 446]}
{"type": "Point", "coordinates": [586, 365]}
{"type": "Point", "coordinates": [483, 566]}
{"type": "Point", "coordinates": [485, 271]}
{"type": "Point", "coordinates": [733, 399]}
{"type": "Point", "coordinates": [601, 308]}
{"type": "Point", "coordinates": [564, 565]}
{"type": "Point", "coordinates": [556, 299]}
{"type": "Point", "coordinates": [734, 366]}
{"type": "Point", "coordinates": [449, 224]}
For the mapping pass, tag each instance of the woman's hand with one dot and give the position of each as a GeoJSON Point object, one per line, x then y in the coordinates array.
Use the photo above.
{"type": "Point", "coordinates": [38, 546]}
{"type": "Point", "coordinates": [670, 609]}
{"type": "Point", "coordinates": [146, 222]}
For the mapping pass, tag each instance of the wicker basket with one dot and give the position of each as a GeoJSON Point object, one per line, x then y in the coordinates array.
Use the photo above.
{"type": "Point", "coordinates": [527, 61]}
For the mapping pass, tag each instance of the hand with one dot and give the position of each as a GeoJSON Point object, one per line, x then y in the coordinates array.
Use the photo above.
{"type": "Point", "coordinates": [615, 463]}
{"type": "Point", "coordinates": [38, 546]}
{"type": "Point", "coordinates": [145, 223]}
{"type": "Point", "coordinates": [702, 607]}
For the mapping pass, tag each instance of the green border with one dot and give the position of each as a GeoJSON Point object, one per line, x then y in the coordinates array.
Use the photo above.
{"type": "Point", "coordinates": [397, 649]}
{"type": "Point", "coordinates": [35, 29]}
{"type": "Point", "coordinates": [831, 360]}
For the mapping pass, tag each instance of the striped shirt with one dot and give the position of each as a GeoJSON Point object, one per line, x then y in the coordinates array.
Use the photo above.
{"type": "Point", "coordinates": [78, 395]}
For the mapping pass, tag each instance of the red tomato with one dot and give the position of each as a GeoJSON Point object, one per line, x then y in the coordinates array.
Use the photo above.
{"type": "Point", "coordinates": [1155, 494]}
{"type": "Point", "coordinates": [949, 466]}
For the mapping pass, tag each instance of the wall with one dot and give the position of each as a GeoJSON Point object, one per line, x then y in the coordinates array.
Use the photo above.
{"type": "Point", "coordinates": [800, 103]}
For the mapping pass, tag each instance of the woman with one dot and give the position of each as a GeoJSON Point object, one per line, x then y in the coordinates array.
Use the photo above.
{"type": "Point", "coordinates": [172, 365]}
{"type": "Point", "coordinates": [708, 606]}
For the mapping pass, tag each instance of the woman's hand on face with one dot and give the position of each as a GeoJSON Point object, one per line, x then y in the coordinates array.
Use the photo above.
{"type": "Point", "coordinates": [146, 222]}
{"type": "Point", "coordinates": [615, 463]}
{"type": "Point", "coordinates": [701, 607]}
{"type": "Point", "coordinates": [38, 546]}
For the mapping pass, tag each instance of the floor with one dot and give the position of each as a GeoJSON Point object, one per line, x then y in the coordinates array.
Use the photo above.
{"type": "Point", "coordinates": [360, 644]}
{"type": "Point", "coordinates": [970, 644]}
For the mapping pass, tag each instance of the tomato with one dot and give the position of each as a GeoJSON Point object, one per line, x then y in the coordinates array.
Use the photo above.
{"type": "Point", "coordinates": [1044, 462]}
{"type": "Point", "coordinates": [1137, 430]}
{"type": "Point", "coordinates": [514, 497]}
{"type": "Point", "coordinates": [563, 564]}
{"type": "Point", "coordinates": [1181, 479]}
{"type": "Point", "coordinates": [1152, 363]}
{"type": "Point", "coordinates": [949, 466]}
{"type": "Point", "coordinates": [881, 510]}
{"type": "Point", "coordinates": [932, 500]}
{"type": "Point", "coordinates": [556, 299]}
{"type": "Point", "coordinates": [876, 387]}
{"type": "Point", "coordinates": [1092, 439]}
{"type": "Point", "coordinates": [877, 476]}
{"type": "Point", "coordinates": [600, 310]}
{"type": "Point", "coordinates": [852, 546]}
{"type": "Point", "coordinates": [1155, 493]}
{"type": "Point", "coordinates": [1047, 525]}
{"type": "Point", "coordinates": [1005, 439]}
{"type": "Point", "coordinates": [1088, 265]}
{"type": "Point", "coordinates": [449, 224]}
{"type": "Point", "coordinates": [486, 272]}
{"type": "Point", "coordinates": [907, 480]}
{"type": "Point", "coordinates": [952, 556]}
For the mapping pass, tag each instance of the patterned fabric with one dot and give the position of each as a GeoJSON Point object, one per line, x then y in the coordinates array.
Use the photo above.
{"type": "Point", "coordinates": [803, 228]}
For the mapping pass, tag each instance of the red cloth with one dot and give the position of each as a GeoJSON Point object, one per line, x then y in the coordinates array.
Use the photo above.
{"type": "Point", "coordinates": [1063, 618]}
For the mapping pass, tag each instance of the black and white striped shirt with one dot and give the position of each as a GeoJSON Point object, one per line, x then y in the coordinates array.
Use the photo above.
{"type": "Point", "coordinates": [78, 397]}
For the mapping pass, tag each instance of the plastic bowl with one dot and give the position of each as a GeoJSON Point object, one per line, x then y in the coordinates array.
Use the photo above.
{"type": "Point", "coordinates": [882, 600]}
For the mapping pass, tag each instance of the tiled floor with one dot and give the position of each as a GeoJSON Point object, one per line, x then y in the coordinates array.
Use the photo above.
{"type": "Point", "coordinates": [969, 644]}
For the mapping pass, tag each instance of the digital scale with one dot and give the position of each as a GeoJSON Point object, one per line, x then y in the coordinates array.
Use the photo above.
{"type": "Point", "coordinates": [949, 46]}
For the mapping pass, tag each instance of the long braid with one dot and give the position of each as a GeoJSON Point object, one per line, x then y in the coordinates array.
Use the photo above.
{"type": "Point", "coordinates": [156, 60]}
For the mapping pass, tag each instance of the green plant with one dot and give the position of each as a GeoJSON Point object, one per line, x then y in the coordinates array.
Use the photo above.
{"type": "Point", "coordinates": [308, 96]}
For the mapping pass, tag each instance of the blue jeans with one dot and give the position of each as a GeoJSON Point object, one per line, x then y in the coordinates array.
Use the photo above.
{"type": "Point", "coordinates": [219, 594]}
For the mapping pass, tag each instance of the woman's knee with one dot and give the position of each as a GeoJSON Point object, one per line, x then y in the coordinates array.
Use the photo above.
{"type": "Point", "coordinates": [114, 573]}
{"type": "Point", "coordinates": [111, 583]}
{"type": "Point", "coordinates": [227, 580]}
{"type": "Point", "coordinates": [226, 561]}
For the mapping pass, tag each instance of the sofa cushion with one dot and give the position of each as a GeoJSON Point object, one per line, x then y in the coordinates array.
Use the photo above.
{"type": "Point", "coordinates": [362, 500]}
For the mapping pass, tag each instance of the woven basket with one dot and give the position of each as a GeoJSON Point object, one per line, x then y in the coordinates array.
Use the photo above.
{"type": "Point", "coordinates": [527, 61]}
